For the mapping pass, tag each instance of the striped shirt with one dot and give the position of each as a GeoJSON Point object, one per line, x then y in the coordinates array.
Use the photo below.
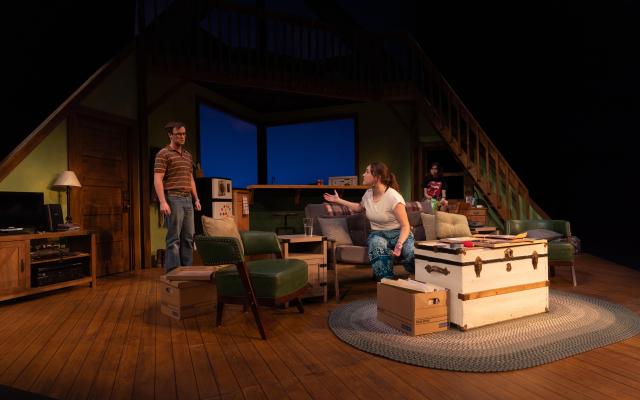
{"type": "Point", "coordinates": [177, 168]}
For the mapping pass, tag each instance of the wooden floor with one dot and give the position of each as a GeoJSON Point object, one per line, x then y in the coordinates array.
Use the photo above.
{"type": "Point", "coordinates": [113, 342]}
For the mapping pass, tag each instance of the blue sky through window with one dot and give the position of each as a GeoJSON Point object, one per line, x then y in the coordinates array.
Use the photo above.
{"type": "Point", "coordinates": [228, 147]}
{"type": "Point", "coordinates": [300, 154]}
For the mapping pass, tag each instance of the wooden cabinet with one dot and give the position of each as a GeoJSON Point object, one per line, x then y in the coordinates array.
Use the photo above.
{"type": "Point", "coordinates": [476, 214]}
{"type": "Point", "coordinates": [12, 266]}
{"type": "Point", "coordinates": [241, 208]}
{"type": "Point", "coordinates": [312, 250]}
{"type": "Point", "coordinates": [26, 269]}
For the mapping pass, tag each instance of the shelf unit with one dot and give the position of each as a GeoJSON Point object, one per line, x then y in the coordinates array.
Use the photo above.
{"type": "Point", "coordinates": [16, 263]}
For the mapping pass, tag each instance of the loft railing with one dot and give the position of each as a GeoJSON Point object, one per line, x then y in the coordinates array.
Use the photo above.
{"type": "Point", "coordinates": [247, 46]}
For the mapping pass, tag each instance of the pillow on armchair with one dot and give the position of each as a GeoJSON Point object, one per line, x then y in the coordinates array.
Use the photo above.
{"type": "Point", "coordinates": [451, 225]}
{"type": "Point", "coordinates": [225, 226]}
{"type": "Point", "coordinates": [335, 229]}
{"type": "Point", "coordinates": [543, 234]}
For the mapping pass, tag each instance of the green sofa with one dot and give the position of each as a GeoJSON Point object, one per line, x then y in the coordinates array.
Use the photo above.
{"type": "Point", "coordinates": [561, 251]}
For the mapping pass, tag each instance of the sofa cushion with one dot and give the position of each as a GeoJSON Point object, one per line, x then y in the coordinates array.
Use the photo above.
{"type": "Point", "coordinates": [335, 229]}
{"type": "Point", "coordinates": [359, 227]}
{"type": "Point", "coordinates": [543, 234]}
{"type": "Point", "coordinates": [414, 218]}
{"type": "Point", "coordinates": [225, 226]}
{"type": "Point", "coordinates": [451, 225]}
{"type": "Point", "coordinates": [352, 254]}
{"type": "Point", "coordinates": [429, 225]}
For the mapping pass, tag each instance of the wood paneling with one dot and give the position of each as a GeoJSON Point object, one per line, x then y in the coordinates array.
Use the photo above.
{"type": "Point", "coordinates": [113, 342]}
{"type": "Point", "coordinates": [99, 153]}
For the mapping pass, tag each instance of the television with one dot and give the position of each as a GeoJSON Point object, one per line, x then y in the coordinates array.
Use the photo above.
{"type": "Point", "coordinates": [21, 210]}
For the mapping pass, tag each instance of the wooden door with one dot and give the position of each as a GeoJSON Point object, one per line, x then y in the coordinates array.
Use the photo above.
{"type": "Point", "coordinates": [12, 266]}
{"type": "Point", "coordinates": [99, 154]}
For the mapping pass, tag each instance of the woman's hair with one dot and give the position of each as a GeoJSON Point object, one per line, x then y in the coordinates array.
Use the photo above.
{"type": "Point", "coordinates": [387, 178]}
{"type": "Point", "coordinates": [437, 165]}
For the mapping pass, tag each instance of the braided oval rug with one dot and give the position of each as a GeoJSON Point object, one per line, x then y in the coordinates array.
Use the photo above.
{"type": "Point", "coordinates": [574, 324]}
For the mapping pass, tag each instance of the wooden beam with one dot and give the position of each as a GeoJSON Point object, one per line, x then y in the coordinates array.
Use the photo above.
{"type": "Point", "coordinates": [503, 290]}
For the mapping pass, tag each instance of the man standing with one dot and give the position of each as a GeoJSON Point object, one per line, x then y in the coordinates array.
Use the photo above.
{"type": "Point", "coordinates": [175, 187]}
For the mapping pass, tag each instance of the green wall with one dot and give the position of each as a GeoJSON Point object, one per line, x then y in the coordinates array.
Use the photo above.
{"type": "Point", "coordinates": [38, 171]}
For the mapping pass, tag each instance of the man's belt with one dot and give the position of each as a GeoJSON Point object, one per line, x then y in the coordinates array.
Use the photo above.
{"type": "Point", "coordinates": [178, 193]}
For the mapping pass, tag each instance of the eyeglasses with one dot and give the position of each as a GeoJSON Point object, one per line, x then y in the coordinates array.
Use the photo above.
{"type": "Point", "coordinates": [179, 133]}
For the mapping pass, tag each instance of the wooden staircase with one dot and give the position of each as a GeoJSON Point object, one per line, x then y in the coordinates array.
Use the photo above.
{"type": "Point", "coordinates": [251, 47]}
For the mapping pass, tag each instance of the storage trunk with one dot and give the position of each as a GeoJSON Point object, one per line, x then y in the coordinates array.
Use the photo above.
{"type": "Point", "coordinates": [183, 299]}
{"type": "Point", "coordinates": [412, 312]}
{"type": "Point", "coordinates": [487, 285]}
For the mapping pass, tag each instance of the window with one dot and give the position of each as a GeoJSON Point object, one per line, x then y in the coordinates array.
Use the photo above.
{"type": "Point", "coordinates": [228, 147]}
{"type": "Point", "coordinates": [303, 153]}
{"type": "Point", "coordinates": [294, 153]}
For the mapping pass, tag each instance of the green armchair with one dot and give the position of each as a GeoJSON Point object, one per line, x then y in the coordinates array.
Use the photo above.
{"type": "Point", "coordinates": [561, 253]}
{"type": "Point", "coordinates": [265, 281]}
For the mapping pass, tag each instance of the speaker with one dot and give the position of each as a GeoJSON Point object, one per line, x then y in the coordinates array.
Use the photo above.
{"type": "Point", "coordinates": [52, 216]}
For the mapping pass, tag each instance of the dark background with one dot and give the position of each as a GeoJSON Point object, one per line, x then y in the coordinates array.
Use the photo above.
{"type": "Point", "coordinates": [553, 83]}
{"type": "Point", "coordinates": [555, 86]}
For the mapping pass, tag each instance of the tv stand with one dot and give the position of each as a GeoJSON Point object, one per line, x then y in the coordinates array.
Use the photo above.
{"type": "Point", "coordinates": [17, 265]}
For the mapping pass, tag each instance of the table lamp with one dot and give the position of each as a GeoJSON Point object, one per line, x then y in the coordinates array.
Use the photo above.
{"type": "Point", "coordinates": [67, 179]}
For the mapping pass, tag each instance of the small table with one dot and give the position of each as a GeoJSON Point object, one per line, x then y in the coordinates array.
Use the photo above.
{"type": "Point", "coordinates": [313, 250]}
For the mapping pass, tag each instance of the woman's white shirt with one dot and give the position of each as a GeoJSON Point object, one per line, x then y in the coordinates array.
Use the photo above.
{"type": "Point", "coordinates": [380, 213]}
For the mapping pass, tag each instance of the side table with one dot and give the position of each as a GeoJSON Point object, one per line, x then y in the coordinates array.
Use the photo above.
{"type": "Point", "coordinates": [313, 250]}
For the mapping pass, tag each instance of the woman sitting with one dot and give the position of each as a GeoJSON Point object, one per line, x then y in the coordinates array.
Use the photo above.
{"type": "Point", "coordinates": [385, 208]}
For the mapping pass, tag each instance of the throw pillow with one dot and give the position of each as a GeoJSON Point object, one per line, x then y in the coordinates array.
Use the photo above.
{"type": "Point", "coordinates": [429, 224]}
{"type": "Point", "coordinates": [543, 234]}
{"type": "Point", "coordinates": [225, 226]}
{"type": "Point", "coordinates": [451, 225]}
{"type": "Point", "coordinates": [335, 229]}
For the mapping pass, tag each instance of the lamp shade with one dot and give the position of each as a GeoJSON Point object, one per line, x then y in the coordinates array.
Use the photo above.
{"type": "Point", "coordinates": [67, 179]}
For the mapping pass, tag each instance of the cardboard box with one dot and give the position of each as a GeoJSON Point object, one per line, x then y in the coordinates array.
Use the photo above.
{"type": "Point", "coordinates": [414, 313]}
{"type": "Point", "coordinates": [180, 313]}
{"type": "Point", "coordinates": [343, 180]}
{"type": "Point", "coordinates": [183, 299]}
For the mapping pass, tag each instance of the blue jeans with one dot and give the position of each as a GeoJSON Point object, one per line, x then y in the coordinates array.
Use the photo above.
{"type": "Point", "coordinates": [381, 245]}
{"type": "Point", "coordinates": [180, 231]}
